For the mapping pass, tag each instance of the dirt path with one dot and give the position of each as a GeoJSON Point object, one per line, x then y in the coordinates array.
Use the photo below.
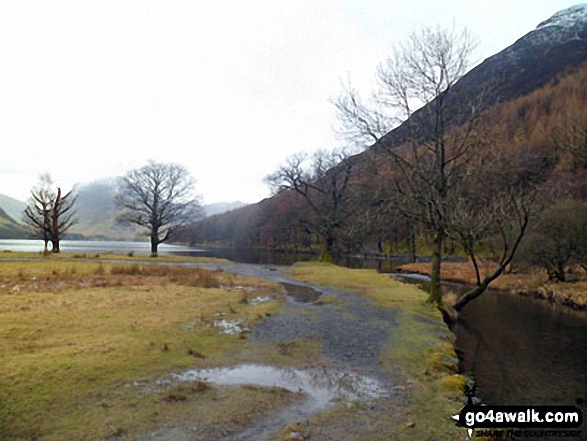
{"type": "Point", "coordinates": [352, 333]}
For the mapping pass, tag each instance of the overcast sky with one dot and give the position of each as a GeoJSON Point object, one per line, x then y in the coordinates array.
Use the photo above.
{"type": "Point", "coordinates": [228, 88]}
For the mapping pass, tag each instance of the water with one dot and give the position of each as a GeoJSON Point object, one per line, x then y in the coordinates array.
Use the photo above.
{"type": "Point", "coordinates": [96, 247]}
{"type": "Point", "coordinates": [521, 350]}
{"type": "Point", "coordinates": [322, 386]}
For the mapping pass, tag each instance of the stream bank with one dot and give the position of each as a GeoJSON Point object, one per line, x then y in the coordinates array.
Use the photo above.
{"type": "Point", "coordinates": [568, 294]}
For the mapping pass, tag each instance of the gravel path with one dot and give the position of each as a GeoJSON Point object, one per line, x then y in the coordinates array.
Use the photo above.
{"type": "Point", "coordinates": [352, 335]}
{"type": "Point", "coordinates": [351, 331]}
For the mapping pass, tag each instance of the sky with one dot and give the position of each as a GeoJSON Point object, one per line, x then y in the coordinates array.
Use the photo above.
{"type": "Point", "coordinates": [227, 88]}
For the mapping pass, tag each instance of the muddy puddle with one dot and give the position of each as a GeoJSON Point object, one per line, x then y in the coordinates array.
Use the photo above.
{"type": "Point", "coordinates": [323, 387]}
{"type": "Point", "coordinates": [301, 293]}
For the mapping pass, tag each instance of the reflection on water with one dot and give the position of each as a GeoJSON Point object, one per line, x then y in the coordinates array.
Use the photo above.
{"type": "Point", "coordinates": [95, 247]}
{"type": "Point", "coordinates": [520, 350]}
{"type": "Point", "coordinates": [524, 351]}
{"type": "Point", "coordinates": [322, 386]}
{"type": "Point", "coordinates": [246, 255]}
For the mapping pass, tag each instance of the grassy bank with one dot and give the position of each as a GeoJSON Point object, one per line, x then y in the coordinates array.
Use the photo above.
{"type": "Point", "coordinates": [130, 257]}
{"type": "Point", "coordinates": [83, 345]}
{"type": "Point", "coordinates": [534, 283]}
{"type": "Point", "coordinates": [420, 354]}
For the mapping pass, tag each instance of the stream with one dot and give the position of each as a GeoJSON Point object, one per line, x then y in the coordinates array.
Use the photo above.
{"type": "Point", "coordinates": [521, 350]}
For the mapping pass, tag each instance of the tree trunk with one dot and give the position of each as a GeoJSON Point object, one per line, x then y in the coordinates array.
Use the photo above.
{"type": "Point", "coordinates": [326, 250]}
{"type": "Point", "coordinates": [435, 296]}
{"type": "Point", "coordinates": [556, 272]}
{"type": "Point", "coordinates": [154, 244]}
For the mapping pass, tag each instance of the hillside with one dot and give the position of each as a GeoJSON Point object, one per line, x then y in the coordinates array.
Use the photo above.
{"type": "Point", "coordinates": [221, 207]}
{"type": "Point", "coordinates": [96, 212]}
{"type": "Point", "coordinates": [555, 47]}
{"type": "Point", "coordinates": [9, 229]}
{"type": "Point", "coordinates": [537, 85]}
{"type": "Point", "coordinates": [12, 207]}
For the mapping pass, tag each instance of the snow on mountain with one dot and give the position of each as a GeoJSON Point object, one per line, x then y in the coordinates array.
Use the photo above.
{"type": "Point", "coordinates": [565, 26]}
{"type": "Point", "coordinates": [567, 18]}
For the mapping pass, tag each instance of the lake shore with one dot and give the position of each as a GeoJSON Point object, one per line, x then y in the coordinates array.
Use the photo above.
{"type": "Point", "coordinates": [535, 284]}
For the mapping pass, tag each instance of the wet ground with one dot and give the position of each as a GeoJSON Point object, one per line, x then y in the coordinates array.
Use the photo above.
{"type": "Point", "coordinates": [352, 333]}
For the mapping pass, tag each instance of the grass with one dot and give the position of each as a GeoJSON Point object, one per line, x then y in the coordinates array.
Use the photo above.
{"type": "Point", "coordinates": [76, 336]}
{"type": "Point", "coordinates": [85, 343]}
{"type": "Point", "coordinates": [384, 291]}
{"type": "Point", "coordinates": [420, 354]}
{"type": "Point", "coordinates": [131, 257]}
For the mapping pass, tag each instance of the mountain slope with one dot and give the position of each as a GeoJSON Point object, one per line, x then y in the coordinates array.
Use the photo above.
{"type": "Point", "coordinates": [222, 207]}
{"type": "Point", "coordinates": [96, 212]}
{"type": "Point", "coordinates": [9, 229]}
{"type": "Point", "coordinates": [526, 102]}
{"type": "Point", "coordinates": [555, 47]}
{"type": "Point", "coordinates": [12, 207]}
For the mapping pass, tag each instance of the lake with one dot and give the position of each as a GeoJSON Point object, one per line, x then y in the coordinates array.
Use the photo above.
{"type": "Point", "coordinates": [96, 247]}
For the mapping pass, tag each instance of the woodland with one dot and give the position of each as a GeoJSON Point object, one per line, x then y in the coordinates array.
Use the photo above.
{"type": "Point", "coordinates": [541, 136]}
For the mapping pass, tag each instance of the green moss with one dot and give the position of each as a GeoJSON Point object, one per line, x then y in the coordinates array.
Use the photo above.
{"type": "Point", "coordinates": [454, 384]}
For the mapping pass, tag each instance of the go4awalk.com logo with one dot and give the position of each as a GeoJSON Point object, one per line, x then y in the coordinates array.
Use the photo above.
{"type": "Point", "coordinates": [521, 421]}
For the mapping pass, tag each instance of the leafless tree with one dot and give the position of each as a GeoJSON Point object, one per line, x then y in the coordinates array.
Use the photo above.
{"type": "Point", "coordinates": [323, 182]}
{"type": "Point", "coordinates": [159, 197]}
{"type": "Point", "coordinates": [434, 149]}
{"type": "Point", "coordinates": [428, 158]}
{"type": "Point", "coordinates": [572, 137]}
{"type": "Point", "coordinates": [50, 213]}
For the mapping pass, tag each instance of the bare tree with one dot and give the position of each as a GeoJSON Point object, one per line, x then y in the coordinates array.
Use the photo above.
{"type": "Point", "coordinates": [323, 182]}
{"type": "Point", "coordinates": [428, 158]}
{"type": "Point", "coordinates": [435, 148]}
{"type": "Point", "coordinates": [572, 137]}
{"type": "Point", "coordinates": [495, 200]}
{"type": "Point", "coordinates": [159, 197]}
{"type": "Point", "coordinates": [49, 213]}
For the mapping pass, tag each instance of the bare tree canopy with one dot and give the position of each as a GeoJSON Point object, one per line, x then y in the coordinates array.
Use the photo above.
{"type": "Point", "coordinates": [49, 213]}
{"type": "Point", "coordinates": [322, 180]}
{"type": "Point", "coordinates": [419, 73]}
{"type": "Point", "coordinates": [159, 197]}
{"type": "Point", "coordinates": [434, 160]}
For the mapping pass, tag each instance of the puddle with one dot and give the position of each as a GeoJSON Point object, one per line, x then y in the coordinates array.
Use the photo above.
{"type": "Point", "coordinates": [322, 386]}
{"type": "Point", "coordinates": [231, 328]}
{"type": "Point", "coordinates": [260, 299]}
{"type": "Point", "coordinates": [300, 293]}
{"type": "Point", "coordinates": [245, 288]}
{"type": "Point", "coordinates": [411, 277]}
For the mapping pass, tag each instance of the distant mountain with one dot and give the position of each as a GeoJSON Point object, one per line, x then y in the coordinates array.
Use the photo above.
{"type": "Point", "coordinates": [222, 207]}
{"type": "Point", "coordinates": [12, 207]}
{"type": "Point", "coordinates": [9, 229]}
{"type": "Point", "coordinates": [555, 47]}
{"type": "Point", "coordinates": [96, 213]}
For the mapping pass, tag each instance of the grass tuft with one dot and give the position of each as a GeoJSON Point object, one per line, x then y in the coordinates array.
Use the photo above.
{"type": "Point", "coordinates": [77, 336]}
